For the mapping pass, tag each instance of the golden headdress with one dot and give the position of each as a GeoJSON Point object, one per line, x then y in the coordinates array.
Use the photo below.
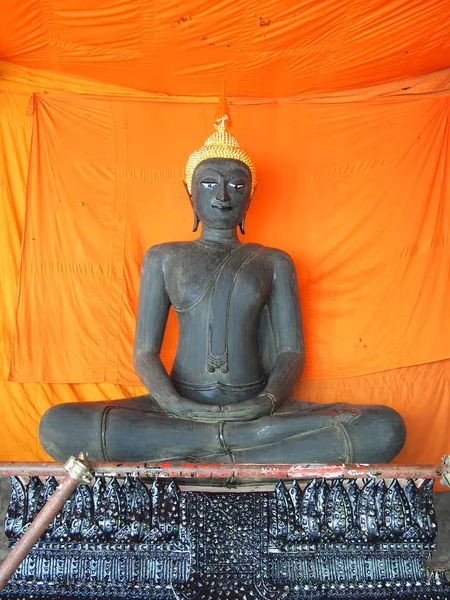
{"type": "Point", "coordinates": [221, 144]}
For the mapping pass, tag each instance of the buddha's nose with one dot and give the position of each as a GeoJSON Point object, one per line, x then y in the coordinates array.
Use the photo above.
{"type": "Point", "coordinates": [222, 193]}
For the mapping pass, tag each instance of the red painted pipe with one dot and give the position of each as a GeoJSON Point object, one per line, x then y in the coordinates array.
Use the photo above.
{"type": "Point", "coordinates": [252, 472]}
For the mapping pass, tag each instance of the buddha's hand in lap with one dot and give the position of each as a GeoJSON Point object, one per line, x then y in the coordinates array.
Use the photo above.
{"type": "Point", "coordinates": [247, 410]}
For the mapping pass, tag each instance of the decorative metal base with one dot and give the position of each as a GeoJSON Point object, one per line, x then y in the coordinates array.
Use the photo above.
{"type": "Point", "coordinates": [317, 539]}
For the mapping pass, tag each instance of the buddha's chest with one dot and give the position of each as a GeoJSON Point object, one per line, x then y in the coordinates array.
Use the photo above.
{"type": "Point", "coordinates": [241, 281]}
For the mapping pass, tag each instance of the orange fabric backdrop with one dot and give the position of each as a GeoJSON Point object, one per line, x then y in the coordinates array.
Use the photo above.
{"type": "Point", "coordinates": [362, 208]}
{"type": "Point", "coordinates": [263, 48]}
{"type": "Point", "coordinates": [421, 393]}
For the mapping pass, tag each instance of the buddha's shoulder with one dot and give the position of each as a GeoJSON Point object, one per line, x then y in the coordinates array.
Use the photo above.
{"type": "Point", "coordinates": [168, 247]}
{"type": "Point", "coordinates": [167, 251]}
{"type": "Point", "coordinates": [276, 255]}
{"type": "Point", "coordinates": [174, 252]}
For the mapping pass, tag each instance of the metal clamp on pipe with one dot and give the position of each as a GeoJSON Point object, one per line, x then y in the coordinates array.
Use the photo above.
{"type": "Point", "coordinates": [79, 469]}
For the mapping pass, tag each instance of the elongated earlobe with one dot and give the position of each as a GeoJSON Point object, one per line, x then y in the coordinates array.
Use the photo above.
{"type": "Point", "coordinates": [242, 223]}
{"type": "Point", "coordinates": [187, 191]}
{"type": "Point", "coordinates": [196, 222]}
{"type": "Point", "coordinates": [196, 219]}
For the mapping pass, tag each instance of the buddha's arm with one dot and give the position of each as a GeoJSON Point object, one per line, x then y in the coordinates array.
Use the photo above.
{"type": "Point", "coordinates": [284, 307]}
{"type": "Point", "coordinates": [152, 316]}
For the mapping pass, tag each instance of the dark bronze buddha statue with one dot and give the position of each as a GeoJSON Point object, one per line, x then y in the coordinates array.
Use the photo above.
{"type": "Point", "coordinates": [239, 355]}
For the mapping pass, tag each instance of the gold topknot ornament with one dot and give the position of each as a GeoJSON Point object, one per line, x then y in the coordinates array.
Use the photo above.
{"type": "Point", "coordinates": [221, 144]}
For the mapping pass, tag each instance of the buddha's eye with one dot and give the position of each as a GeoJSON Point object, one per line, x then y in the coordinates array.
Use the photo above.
{"type": "Point", "coordinates": [236, 185]}
{"type": "Point", "coordinates": [209, 184]}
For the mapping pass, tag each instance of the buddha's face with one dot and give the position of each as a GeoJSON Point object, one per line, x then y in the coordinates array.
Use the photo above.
{"type": "Point", "coordinates": [221, 192]}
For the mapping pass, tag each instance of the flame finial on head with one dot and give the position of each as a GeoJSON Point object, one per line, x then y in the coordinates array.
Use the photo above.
{"type": "Point", "coordinates": [221, 144]}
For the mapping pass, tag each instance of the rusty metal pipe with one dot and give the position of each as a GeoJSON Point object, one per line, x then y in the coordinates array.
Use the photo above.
{"type": "Point", "coordinates": [77, 471]}
{"type": "Point", "coordinates": [249, 472]}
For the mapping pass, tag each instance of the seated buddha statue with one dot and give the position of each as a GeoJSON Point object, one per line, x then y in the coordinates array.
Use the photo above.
{"type": "Point", "coordinates": [240, 351]}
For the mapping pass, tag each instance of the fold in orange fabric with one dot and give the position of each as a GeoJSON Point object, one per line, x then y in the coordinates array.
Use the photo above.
{"type": "Point", "coordinates": [356, 192]}
{"type": "Point", "coordinates": [264, 48]}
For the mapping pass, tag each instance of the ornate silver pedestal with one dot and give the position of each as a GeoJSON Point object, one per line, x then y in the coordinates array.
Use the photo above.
{"type": "Point", "coordinates": [140, 538]}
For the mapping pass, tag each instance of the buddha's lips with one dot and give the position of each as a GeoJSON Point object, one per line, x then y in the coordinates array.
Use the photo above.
{"type": "Point", "coordinates": [225, 207]}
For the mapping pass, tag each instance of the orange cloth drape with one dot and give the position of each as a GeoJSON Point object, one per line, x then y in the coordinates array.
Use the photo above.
{"type": "Point", "coordinates": [421, 393]}
{"type": "Point", "coordinates": [355, 191]}
{"type": "Point", "coordinates": [262, 48]}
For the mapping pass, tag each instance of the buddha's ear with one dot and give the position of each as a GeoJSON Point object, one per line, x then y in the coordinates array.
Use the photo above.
{"type": "Point", "coordinates": [196, 219]}
{"type": "Point", "coordinates": [254, 190]}
{"type": "Point", "coordinates": [187, 191]}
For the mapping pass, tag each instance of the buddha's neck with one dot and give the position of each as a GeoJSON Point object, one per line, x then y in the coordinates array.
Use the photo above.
{"type": "Point", "coordinates": [226, 237]}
